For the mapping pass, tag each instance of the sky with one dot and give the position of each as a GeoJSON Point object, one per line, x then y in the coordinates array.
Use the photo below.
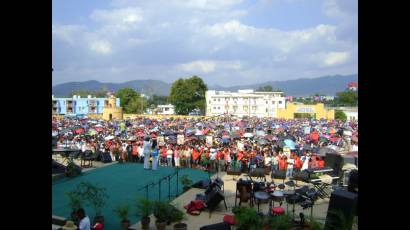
{"type": "Point", "coordinates": [225, 42]}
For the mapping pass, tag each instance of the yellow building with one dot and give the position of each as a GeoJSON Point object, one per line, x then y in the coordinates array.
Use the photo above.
{"type": "Point", "coordinates": [317, 111]}
{"type": "Point", "coordinates": [111, 111]}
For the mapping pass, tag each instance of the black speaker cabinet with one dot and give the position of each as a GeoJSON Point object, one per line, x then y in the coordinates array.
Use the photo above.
{"type": "Point", "coordinates": [258, 172]}
{"type": "Point", "coordinates": [334, 161]}
{"type": "Point", "coordinates": [214, 197]}
{"type": "Point", "coordinates": [217, 226]}
{"type": "Point", "coordinates": [342, 205]}
{"type": "Point", "coordinates": [280, 174]}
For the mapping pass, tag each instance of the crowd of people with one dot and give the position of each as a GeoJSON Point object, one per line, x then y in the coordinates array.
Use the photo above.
{"type": "Point", "coordinates": [217, 143]}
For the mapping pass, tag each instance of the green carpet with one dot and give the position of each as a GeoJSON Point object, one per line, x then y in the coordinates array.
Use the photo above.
{"type": "Point", "coordinates": [121, 182]}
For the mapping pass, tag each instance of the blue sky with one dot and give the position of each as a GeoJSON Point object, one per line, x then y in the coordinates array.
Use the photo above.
{"type": "Point", "coordinates": [226, 42]}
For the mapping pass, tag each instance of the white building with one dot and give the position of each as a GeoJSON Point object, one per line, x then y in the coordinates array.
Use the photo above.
{"type": "Point", "coordinates": [244, 103]}
{"type": "Point", "coordinates": [165, 109]}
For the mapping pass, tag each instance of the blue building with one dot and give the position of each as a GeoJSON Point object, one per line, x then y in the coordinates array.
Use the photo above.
{"type": "Point", "coordinates": [80, 106]}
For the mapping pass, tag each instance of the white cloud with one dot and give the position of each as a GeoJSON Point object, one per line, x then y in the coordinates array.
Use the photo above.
{"type": "Point", "coordinates": [67, 33]}
{"type": "Point", "coordinates": [101, 46]}
{"type": "Point", "coordinates": [335, 58]}
{"type": "Point", "coordinates": [124, 16]}
{"type": "Point", "coordinates": [283, 41]}
{"type": "Point", "coordinates": [208, 4]}
{"type": "Point", "coordinates": [209, 66]}
{"type": "Point", "coordinates": [199, 66]}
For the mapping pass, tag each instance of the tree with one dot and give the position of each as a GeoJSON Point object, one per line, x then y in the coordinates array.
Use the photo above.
{"type": "Point", "coordinates": [340, 115]}
{"type": "Point", "coordinates": [188, 94]}
{"type": "Point", "coordinates": [131, 101]}
{"type": "Point", "coordinates": [347, 98]}
{"type": "Point", "coordinates": [266, 88]}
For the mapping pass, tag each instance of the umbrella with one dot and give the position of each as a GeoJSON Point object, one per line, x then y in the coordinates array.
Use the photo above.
{"type": "Point", "coordinates": [332, 130]}
{"type": "Point", "coordinates": [248, 135]}
{"type": "Point", "coordinates": [260, 133]}
{"type": "Point", "coordinates": [325, 150]}
{"type": "Point", "coordinates": [225, 139]}
{"type": "Point", "coordinates": [262, 141]}
{"type": "Point", "coordinates": [79, 131]}
{"type": "Point", "coordinates": [307, 147]}
{"type": "Point", "coordinates": [110, 137]}
{"type": "Point", "coordinates": [92, 132]}
{"type": "Point", "coordinates": [291, 144]}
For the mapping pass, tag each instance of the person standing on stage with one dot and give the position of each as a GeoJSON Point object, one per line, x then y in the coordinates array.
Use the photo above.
{"type": "Point", "coordinates": [146, 151]}
{"type": "Point", "coordinates": [169, 156]}
{"type": "Point", "coordinates": [155, 153]}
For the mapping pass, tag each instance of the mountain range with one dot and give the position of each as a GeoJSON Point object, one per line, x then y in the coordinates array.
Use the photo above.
{"type": "Point", "coordinates": [326, 85]}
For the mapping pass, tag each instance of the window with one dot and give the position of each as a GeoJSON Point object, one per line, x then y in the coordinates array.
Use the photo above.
{"type": "Point", "coordinates": [245, 108]}
{"type": "Point", "coordinates": [280, 102]}
{"type": "Point", "coordinates": [214, 107]}
{"type": "Point", "coordinates": [254, 107]}
{"type": "Point", "coordinates": [266, 102]}
{"type": "Point", "coordinates": [209, 101]}
{"type": "Point", "coordinates": [219, 107]}
{"type": "Point", "coordinates": [266, 109]}
{"type": "Point", "coordinates": [214, 99]}
{"type": "Point", "coordinates": [166, 109]}
{"type": "Point", "coordinates": [235, 107]}
{"type": "Point", "coordinates": [273, 102]}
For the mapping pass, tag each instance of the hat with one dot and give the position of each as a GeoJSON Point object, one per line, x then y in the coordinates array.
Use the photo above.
{"type": "Point", "coordinates": [69, 225]}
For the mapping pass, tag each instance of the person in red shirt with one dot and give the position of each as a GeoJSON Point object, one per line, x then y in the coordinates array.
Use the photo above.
{"type": "Point", "coordinates": [320, 162]}
{"type": "Point", "coordinates": [195, 157]}
{"type": "Point", "coordinates": [163, 155]}
{"type": "Point", "coordinates": [220, 158]}
{"type": "Point", "coordinates": [282, 163]}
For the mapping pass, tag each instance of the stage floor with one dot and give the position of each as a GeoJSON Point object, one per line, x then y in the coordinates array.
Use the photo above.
{"type": "Point", "coordinates": [122, 182]}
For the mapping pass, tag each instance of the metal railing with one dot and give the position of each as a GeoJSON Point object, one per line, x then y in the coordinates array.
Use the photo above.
{"type": "Point", "coordinates": [159, 182]}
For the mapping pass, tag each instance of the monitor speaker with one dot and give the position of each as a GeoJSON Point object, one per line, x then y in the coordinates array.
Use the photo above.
{"type": "Point", "coordinates": [214, 197]}
{"type": "Point", "coordinates": [334, 161]}
{"type": "Point", "coordinates": [342, 209]}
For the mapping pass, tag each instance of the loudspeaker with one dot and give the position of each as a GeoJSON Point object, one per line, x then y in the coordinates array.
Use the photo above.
{"type": "Point", "coordinates": [334, 161]}
{"type": "Point", "coordinates": [218, 226]}
{"type": "Point", "coordinates": [258, 172]}
{"type": "Point", "coordinates": [349, 160]}
{"type": "Point", "coordinates": [280, 174]}
{"type": "Point", "coordinates": [353, 181]}
{"type": "Point", "coordinates": [214, 197]}
{"type": "Point", "coordinates": [341, 203]}
{"type": "Point", "coordinates": [202, 184]}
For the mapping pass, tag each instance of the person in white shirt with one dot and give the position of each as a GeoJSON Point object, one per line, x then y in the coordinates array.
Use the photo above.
{"type": "Point", "coordinates": [169, 157]}
{"type": "Point", "coordinates": [141, 153]}
{"type": "Point", "coordinates": [289, 170]}
{"type": "Point", "coordinates": [305, 160]}
{"type": "Point", "coordinates": [146, 151]}
{"type": "Point", "coordinates": [84, 220]}
{"type": "Point", "coordinates": [212, 158]}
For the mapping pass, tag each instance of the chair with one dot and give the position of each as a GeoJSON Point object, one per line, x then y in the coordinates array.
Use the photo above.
{"type": "Point", "coordinates": [87, 156]}
{"type": "Point", "coordinates": [244, 193]}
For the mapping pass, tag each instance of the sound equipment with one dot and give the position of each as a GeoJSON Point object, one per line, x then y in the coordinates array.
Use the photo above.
{"type": "Point", "coordinates": [105, 157]}
{"type": "Point", "coordinates": [203, 184]}
{"type": "Point", "coordinates": [349, 160]}
{"type": "Point", "coordinates": [57, 167]}
{"type": "Point", "coordinates": [257, 172]}
{"type": "Point", "coordinates": [235, 171]}
{"type": "Point", "coordinates": [353, 182]}
{"type": "Point", "coordinates": [214, 197]}
{"type": "Point", "coordinates": [280, 174]}
{"type": "Point", "coordinates": [334, 161]}
{"type": "Point", "coordinates": [319, 170]}
{"type": "Point", "coordinates": [218, 226]}
{"type": "Point", "coordinates": [341, 203]}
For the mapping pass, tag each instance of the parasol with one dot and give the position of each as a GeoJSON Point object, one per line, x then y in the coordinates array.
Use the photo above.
{"type": "Point", "coordinates": [291, 144]}
{"type": "Point", "coordinates": [325, 150]}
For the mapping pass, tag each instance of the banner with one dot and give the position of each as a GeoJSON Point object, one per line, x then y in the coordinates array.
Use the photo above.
{"type": "Point", "coordinates": [161, 140]}
{"type": "Point", "coordinates": [180, 139]}
{"type": "Point", "coordinates": [209, 140]}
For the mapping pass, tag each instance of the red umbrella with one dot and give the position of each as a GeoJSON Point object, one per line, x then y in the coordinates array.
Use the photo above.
{"type": "Point", "coordinates": [98, 129]}
{"type": "Point", "coordinates": [79, 131]}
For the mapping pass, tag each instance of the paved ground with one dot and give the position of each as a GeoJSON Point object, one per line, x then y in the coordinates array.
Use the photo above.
{"type": "Point", "coordinates": [195, 222]}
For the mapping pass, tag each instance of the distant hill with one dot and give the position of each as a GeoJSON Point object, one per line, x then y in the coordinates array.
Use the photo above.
{"type": "Point", "coordinates": [327, 85]}
{"type": "Point", "coordinates": [148, 87]}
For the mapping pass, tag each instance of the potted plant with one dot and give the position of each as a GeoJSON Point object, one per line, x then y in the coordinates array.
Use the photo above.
{"type": "Point", "coordinates": [186, 182]}
{"type": "Point", "coordinates": [281, 222]}
{"type": "Point", "coordinates": [161, 213]}
{"type": "Point", "coordinates": [144, 209]}
{"type": "Point", "coordinates": [248, 218]}
{"type": "Point", "coordinates": [74, 202]}
{"type": "Point", "coordinates": [95, 196]}
{"type": "Point", "coordinates": [122, 212]}
{"type": "Point", "coordinates": [72, 170]}
{"type": "Point", "coordinates": [177, 217]}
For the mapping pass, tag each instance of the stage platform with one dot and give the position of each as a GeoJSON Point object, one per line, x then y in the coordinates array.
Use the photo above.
{"type": "Point", "coordinates": [122, 182]}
